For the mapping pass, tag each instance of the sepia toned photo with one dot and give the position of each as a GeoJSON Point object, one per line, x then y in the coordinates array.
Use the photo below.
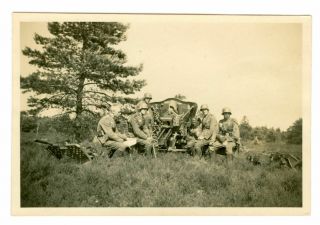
{"type": "Point", "coordinates": [151, 114]}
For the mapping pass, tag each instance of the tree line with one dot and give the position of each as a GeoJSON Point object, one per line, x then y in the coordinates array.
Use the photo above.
{"type": "Point", "coordinates": [293, 135]}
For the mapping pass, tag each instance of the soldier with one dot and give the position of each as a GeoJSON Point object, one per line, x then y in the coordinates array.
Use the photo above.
{"type": "Point", "coordinates": [173, 112]}
{"type": "Point", "coordinates": [140, 128]}
{"type": "Point", "coordinates": [108, 135]}
{"type": "Point", "coordinates": [193, 134]}
{"type": "Point", "coordinates": [229, 134]}
{"type": "Point", "coordinates": [208, 130]}
{"type": "Point", "coordinates": [149, 115]}
{"type": "Point", "coordinates": [147, 98]}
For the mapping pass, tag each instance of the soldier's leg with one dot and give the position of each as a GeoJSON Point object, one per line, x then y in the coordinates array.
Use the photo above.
{"type": "Point", "coordinates": [205, 148]}
{"type": "Point", "coordinates": [190, 147]}
{"type": "Point", "coordinates": [114, 146]}
{"type": "Point", "coordinates": [199, 146]}
{"type": "Point", "coordinates": [147, 145]}
{"type": "Point", "coordinates": [229, 151]}
{"type": "Point", "coordinates": [229, 147]}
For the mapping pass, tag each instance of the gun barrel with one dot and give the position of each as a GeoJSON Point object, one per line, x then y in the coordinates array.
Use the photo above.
{"type": "Point", "coordinates": [43, 142]}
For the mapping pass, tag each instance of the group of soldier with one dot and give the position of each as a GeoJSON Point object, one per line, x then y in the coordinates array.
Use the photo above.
{"type": "Point", "coordinates": [205, 132]}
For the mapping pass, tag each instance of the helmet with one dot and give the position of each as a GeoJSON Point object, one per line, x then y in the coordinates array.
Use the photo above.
{"type": "Point", "coordinates": [142, 105]}
{"type": "Point", "coordinates": [203, 107]}
{"type": "Point", "coordinates": [226, 110]}
{"type": "Point", "coordinates": [147, 95]}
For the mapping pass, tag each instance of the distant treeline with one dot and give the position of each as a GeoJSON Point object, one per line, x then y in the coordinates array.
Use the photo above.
{"type": "Point", "coordinates": [293, 135]}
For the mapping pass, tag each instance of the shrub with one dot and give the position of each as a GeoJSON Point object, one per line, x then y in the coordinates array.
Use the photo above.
{"type": "Point", "coordinates": [78, 130]}
{"type": "Point", "coordinates": [28, 123]}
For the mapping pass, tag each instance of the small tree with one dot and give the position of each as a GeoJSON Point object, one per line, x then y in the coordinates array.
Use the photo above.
{"type": "Point", "coordinates": [271, 135]}
{"type": "Point", "coordinates": [260, 132]}
{"type": "Point", "coordinates": [245, 129]}
{"type": "Point", "coordinates": [180, 96]}
{"type": "Point", "coordinates": [79, 68]}
{"type": "Point", "coordinates": [294, 132]}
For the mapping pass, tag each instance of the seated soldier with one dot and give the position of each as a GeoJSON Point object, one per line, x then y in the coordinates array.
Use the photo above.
{"type": "Point", "coordinates": [108, 135]}
{"type": "Point", "coordinates": [193, 134]}
{"type": "Point", "coordinates": [208, 130]}
{"type": "Point", "coordinates": [140, 128]}
{"type": "Point", "coordinates": [229, 134]}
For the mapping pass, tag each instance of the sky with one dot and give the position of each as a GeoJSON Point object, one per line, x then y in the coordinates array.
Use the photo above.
{"type": "Point", "coordinates": [253, 68]}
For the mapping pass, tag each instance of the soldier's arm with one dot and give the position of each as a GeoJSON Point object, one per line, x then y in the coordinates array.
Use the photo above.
{"type": "Point", "coordinates": [220, 136]}
{"type": "Point", "coordinates": [136, 130]}
{"type": "Point", "coordinates": [121, 135]}
{"type": "Point", "coordinates": [147, 131]}
{"type": "Point", "coordinates": [107, 129]}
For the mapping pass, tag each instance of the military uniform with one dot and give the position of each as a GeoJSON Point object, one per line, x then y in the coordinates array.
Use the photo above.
{"type": "Point", "coordinates": [141, 131]}
{"type": "Point", "coordinates": [109, 136]}
{"type": "Point", "coordinates": [192, 136]}
{"type": "Point", "coordinates": [229, 134]}
{"type": "Point", "coordinates": [208, 131]}
{"type": "Point", "coordinates": [148, 116]}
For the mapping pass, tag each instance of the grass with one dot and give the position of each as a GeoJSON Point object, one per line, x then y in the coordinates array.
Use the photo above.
{"type": "Point", "coordinates": [171, 180]}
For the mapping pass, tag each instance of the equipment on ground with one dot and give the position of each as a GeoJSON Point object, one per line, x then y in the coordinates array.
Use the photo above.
{"type": "Point", "coordinates": [279, 158]}
{"type": "Point", "coordinates": [73, 151]}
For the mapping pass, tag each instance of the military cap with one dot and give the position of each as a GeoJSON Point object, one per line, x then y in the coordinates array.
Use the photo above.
{"type": "Point", "coordinates": [226, 110]}
{"type": "Point", "coordinates": [147, 95]}
{"type": "Point", "coordinates": [142, 105]}
{"type": "Point", "coordinates": [203, 107]}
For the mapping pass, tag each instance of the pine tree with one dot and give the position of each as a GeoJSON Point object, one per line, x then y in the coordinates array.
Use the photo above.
{"type": "Point", "coordinates": [79, 67]}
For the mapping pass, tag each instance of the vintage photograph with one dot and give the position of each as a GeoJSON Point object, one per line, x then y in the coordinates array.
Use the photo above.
{"type": "Point", "coordinates": [177, 114]}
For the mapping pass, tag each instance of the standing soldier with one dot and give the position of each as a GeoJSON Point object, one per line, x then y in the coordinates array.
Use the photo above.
{"type": "Point", "coordinates": [140, 128]}
{"type": "Point", "coordinates": [108, 135]}
{"type": "Point", "coordinates": [149, 115]}
{"type": "Point", "coordinates": [208, 129]}
{"type": "Point", "coordinates": [229, 134]}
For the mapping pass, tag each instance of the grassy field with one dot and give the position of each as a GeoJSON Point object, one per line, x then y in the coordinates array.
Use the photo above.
{"type": "Point", "coordinates": [171, 180]}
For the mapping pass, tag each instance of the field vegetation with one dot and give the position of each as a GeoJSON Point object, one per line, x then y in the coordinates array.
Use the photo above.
{"type": "Point", "coordinates": [170, 180]}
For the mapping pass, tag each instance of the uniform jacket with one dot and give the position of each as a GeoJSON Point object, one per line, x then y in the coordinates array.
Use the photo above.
{"type": "Point", "coordinates": [229, 126]}
{"type": "Point", "coordinates": [107, 129]}
{"type": "Point", "coordinates": [209, 127]}
{"type": "Point", "coordinates": [139, 126]}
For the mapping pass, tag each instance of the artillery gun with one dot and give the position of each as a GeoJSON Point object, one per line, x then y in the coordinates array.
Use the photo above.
{"type": "Point", "coordinates": [172, 121]}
